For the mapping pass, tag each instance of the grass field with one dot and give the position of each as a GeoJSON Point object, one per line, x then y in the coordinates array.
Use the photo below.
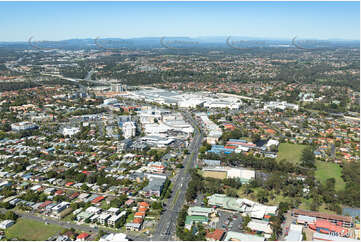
{"type": "Point", "coordinates": [215, 174]}
{"type": "Point", "coordinates": [290, 152]}
{"type": "Point", "coordinates": [27, 229]}
{"type": "Point", "coordinates": [327, 170]}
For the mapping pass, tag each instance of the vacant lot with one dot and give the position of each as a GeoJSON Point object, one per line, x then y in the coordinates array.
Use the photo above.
{"type": "Point", "coordinates": [327, 170]}
{"type": "Point", "coordinates": [26, 229]}
{"type": "Point", "coordinates": [215, 174]}
{"type": "Point", "coordinates": [290, 152]}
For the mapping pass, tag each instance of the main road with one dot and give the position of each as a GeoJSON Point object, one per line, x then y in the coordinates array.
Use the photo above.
{"type": "Point", "coordinates": [167, 224]}
{"type": "Point", "coordinates": [77, 81]}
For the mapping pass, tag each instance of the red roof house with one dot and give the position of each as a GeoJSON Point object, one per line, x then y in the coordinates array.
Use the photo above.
{"type": "Point", "coordinates": [83, 236]}
{"type": "Point", "coordinates": [216, 235]}
{"type": "Point", "coordinates": [97, 199]}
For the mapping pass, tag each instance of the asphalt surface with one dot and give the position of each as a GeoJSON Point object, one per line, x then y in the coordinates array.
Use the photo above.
{"type": "Point", "coordinates": [230, 221]}
{"type": "Point", "coordinates": [167, 224]}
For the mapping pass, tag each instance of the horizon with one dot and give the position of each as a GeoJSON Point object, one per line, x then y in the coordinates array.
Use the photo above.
{"type": "Point", "coordinates": [59, 21]}
{"type": "Point", "coordinates": [206, 38]}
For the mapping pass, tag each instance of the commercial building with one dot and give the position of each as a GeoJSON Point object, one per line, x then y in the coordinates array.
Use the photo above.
{"type": "Point", "coordinates": [294, 233]}
{"type": "Point", "coordinates": [344, 221]}
{"type": "Point", "coordinates": [280, 105]}
{"type": "Point", "coordinates": [260, 226]}
{"type": "Point", "coordinates": [220, 149]}
{"type": "Point", "coordinates": [213, 131]}
{"type": "Point", "coordinates": [190, 103]}
{"type": "Point", "coordinates": [157, 141]}
{"type": "Point", "coordinates": [326, 227]}
{"type": "Point", "coordinates": [242, 205]}
{"type": "Point", "coordinates": [155, 186]}
{"type": "Point", "coordinates": [305, 220]}
{"type": "Point", "coordinates": [190, 220]}
{"type": "Point", "coordinates": [129, 129]}
{"type": "Point", "coordinates": [71, 131]}
{"type": "Point", "coordinates": [200, 211]}
{"type": "Point", "coordinates": [212, 162]}
{"type": "Point", "coordinates": [224, 103]}
{"type": "Point", "coordinates": [23, 126]}
{"type": "Point", "coordinates": [110, 101]}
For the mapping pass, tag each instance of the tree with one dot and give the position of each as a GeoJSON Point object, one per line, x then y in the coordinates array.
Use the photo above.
{"type": "Point", "coordinates": [116, 203]}
{"type": "Point", "coordinates": [308, 158]}
{"type": "Point", "coordinates": [10, 215]}
{"type": "Point", "coordinates": [304, 238]}
{"type": "Point", "coordinates": [84, 187]}
{"type": "Point", "coordinates": [157, 205]}
{"type": "Point", "coordinates": [203, 149]}
{"type": "Point", "coordinates": [101, 233]}
{"type": "Point", "coordinates": [255, 138]}
{"type": "Point", "coordinates": [245, 222]}
{"type": "Point", "coordinates": [262, 196]}
{"type": "Point", "coordinates": [231, 192]}
{"type": "Point", "coordinates": [5, 205]}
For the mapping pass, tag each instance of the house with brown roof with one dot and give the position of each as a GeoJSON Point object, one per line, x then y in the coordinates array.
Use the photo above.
{"type": "Point", "coordinates": [344, 221]}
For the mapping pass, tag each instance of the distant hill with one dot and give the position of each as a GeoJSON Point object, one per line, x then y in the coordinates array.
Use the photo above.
{"type": "Point", "coordinates": [156, 42]}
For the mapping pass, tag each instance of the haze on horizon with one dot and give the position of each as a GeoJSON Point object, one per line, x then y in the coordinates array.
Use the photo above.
{"type": "Point", "coordinates": [78, 20]}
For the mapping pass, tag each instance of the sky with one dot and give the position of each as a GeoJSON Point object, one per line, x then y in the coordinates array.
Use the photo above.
{"type": "Point", "coordinates": [69, 20]}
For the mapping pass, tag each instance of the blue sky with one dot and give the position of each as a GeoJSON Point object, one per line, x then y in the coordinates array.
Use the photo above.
{"type": "Point", "coordinates": [65, 20]}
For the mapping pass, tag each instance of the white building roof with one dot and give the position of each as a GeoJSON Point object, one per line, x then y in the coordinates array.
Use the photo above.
{"type": "Point", "coordinates": [113, 210]}
{"type": "Point", "coordinates": [260, 225]}
{"type": "Point", "coordinates": [295, 233]}
{"type": "Point", "coordinates": [114, 237]}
